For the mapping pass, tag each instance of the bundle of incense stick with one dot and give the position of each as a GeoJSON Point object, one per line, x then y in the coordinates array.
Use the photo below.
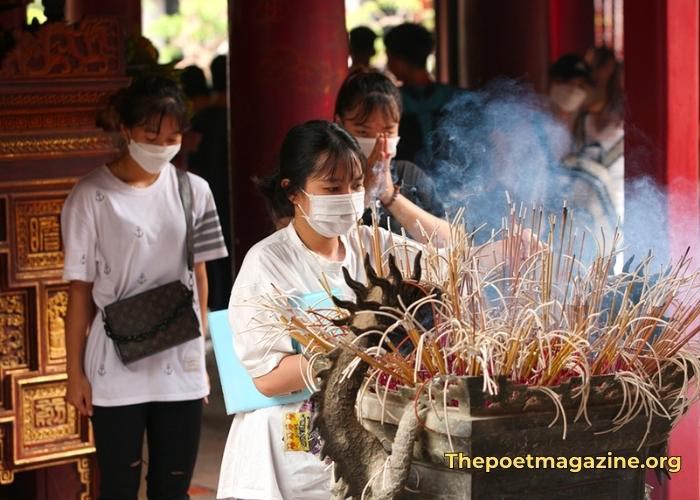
{"type": "Point", "coordinates": [525, 307]}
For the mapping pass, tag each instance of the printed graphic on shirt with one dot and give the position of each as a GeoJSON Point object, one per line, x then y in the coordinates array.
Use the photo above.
{"type": "Point", "coordinates": [298, 434]}
{"type": "Point", "coordinates": [297, 431]}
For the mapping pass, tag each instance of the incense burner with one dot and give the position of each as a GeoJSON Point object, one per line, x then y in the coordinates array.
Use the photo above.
{"type": "Point", "coordinates": [514, 352]}
{"type": "Point", "coordinates": [517, 422]}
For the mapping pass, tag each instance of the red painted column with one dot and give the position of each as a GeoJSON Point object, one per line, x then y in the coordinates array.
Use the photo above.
{"type": "Point", "coordinates": [662, 86]}
{"type": "Point", "coordinates": [570, 27]}
{"type": "Point", "coordinates": [506, 38]}
{"type": "Point", "coordinates": [287, 61]}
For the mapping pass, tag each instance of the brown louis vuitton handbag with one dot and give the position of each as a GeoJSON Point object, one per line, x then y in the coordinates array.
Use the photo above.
{"type": "Point", "coordinates": [160, 318]}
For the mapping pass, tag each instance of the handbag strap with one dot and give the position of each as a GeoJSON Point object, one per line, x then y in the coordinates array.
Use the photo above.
{"type": "Point", "coordinates": [185, 190]}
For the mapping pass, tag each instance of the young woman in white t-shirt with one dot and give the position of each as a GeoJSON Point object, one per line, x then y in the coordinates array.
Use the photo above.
{"type": "Point", "coordinates": [123, 229]}
{"type": "Point", "coordinates": [319, 185]}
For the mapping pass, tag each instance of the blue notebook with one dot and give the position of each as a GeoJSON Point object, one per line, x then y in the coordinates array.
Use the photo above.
{"type": "Point", "coordinates": [240, 393]}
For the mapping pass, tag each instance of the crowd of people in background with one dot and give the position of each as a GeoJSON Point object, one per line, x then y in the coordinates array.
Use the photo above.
{"type": "Point", "coordinates": [582, 154]}
{"type": "Point", "coordinates": [204, 152]}
{"type": "Point", "coordinates": [584, 97]}
{"type": "Point", "coordinates": [392, 139]}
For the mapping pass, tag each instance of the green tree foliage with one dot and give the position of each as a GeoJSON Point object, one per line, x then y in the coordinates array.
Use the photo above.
{"type": "Point", "coordinates": [381, 15]}
{"type": "Point", "coordinates": [192, 35]}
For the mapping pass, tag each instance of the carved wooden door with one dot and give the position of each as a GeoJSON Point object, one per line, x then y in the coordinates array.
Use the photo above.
{"type": "Point", "coordinates": [52, 85]}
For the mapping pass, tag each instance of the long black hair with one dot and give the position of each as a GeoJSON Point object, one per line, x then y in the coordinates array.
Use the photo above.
{"type": "Point", "coordinates": [315, 148]}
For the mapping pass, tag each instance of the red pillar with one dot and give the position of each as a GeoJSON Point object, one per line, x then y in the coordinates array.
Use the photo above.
{"type": "Point", "coordinates": [662, 85]}
{"type": "Point", "coordinates": [506, 38]}
{"type": "Point", "coordinates": [287, 61]}
{"type": "Point", "coordinates": [570, 27]}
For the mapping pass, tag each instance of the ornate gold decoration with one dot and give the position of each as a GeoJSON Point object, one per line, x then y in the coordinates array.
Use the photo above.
{"type": "Point", "coordinates": [48, 121]}
{"type": "Point", "coordinates": [13, 334]}
{"type": "Point", "coordinates": [6, 476]}
{"type": "Point", "coordinates": [92, 47]}
{"type": "Point", "coordinates": [38, 235]}
{"type": "Point", "coordinates": [54, 99]}
{"type": "Point", "coordinates": [83, 467]}
{"type": "Point", "coordinates": [99, 141]}
{"type": "Point", "coordinates": [56, 309]}
{"type": "Point", "coordinates": [46, 416]}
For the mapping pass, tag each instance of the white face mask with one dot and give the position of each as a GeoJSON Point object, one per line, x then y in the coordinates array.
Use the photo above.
{"type": "Point", "coordinates": [151, 157]}
{"type": "Point", "coordinates": [567, 97]}
{"type": "Point", "coordinates": [367, 145]}
{"type": "Point", "coordinates": [331, 215]}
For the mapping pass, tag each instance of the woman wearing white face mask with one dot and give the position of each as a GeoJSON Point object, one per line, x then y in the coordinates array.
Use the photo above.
{"type": "Point", "coordinates": [124, 233]}
{"type": "Point", "coordinates": [369, 107]}
{"type": "Point", "coordinates": [271, 453]}
{"type": "Point", "coordinates": [319, 185]}
{"type": "Point", "coordinates": [569, 85]}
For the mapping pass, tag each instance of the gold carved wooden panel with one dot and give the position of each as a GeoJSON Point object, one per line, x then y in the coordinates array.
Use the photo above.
{"type": "Point", "coordinates": [47, 422]}
{"type": "Point", "coordinates": [14, 310]}
{"type": "Point", "coordinates": [6, 474]}
{"type": "Point", "coordinates": [92, 47]}
{"type": "Point", "coordinates": [46, 414]}
{"type": "Point", "coordinates": [83, 467]}
{"type": "Point", "coordinates": [38, 247]}
{"type": "Point", "coordinates": [56, 310]}
{"type": "Point", "coordinates": [54, 83]}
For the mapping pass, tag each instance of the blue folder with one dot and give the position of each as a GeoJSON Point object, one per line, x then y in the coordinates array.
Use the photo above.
{"type": "Point", "coordinates": [240, 393]}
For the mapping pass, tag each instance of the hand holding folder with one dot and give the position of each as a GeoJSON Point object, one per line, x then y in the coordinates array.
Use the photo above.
{"type": "Point", "coordinates": [240, 393]}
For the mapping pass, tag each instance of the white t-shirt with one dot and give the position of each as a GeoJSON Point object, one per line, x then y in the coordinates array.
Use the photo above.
{"type": "Point", "coordinates": [257, 463]}
{"type": "Point", "coordinates": [126, 240]}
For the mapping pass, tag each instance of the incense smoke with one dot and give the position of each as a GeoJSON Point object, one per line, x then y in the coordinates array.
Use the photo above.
{"type": "Point", "coordinates": [503, 139]}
